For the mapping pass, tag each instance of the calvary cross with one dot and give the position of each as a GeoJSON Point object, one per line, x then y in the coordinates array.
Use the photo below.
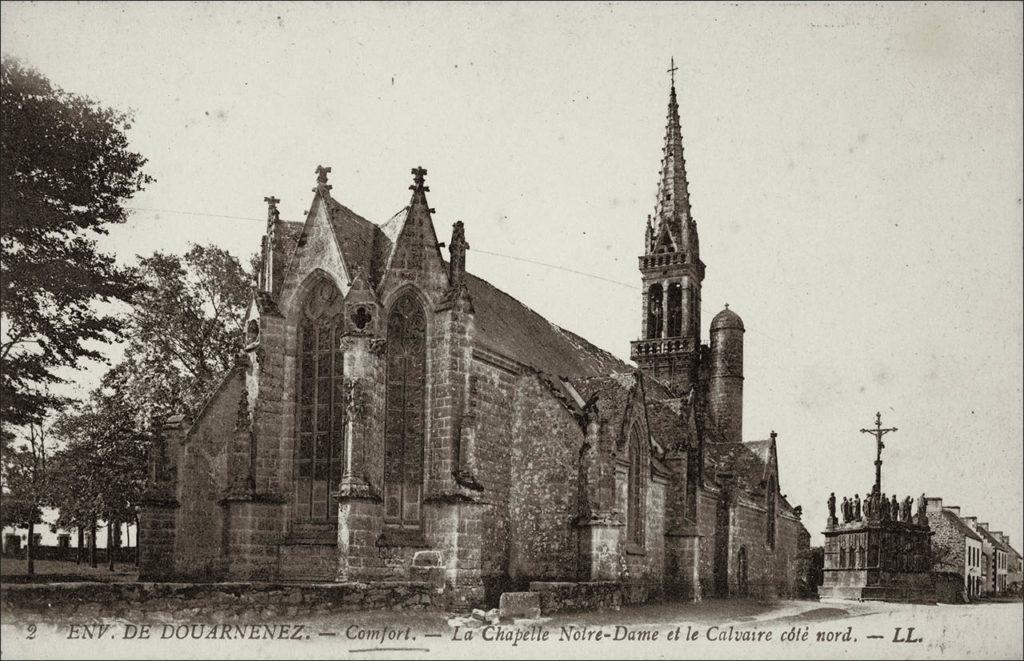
{"type": "Point", "coordinates": [878, 432]}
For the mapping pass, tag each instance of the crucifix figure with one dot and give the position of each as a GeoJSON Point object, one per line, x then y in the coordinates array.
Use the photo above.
{"type": "Point", "coordinates": [672, 68]}
{"type": "Point", "coordinates": [878, 432]}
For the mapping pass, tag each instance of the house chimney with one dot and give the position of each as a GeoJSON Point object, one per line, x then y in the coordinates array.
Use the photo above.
{"type": "Point", "coordinates": [934, 503]}
{"type": "Point", "coordinates": [983, 526]}
{"type": "Point", "coordinates": [955, 509]}
{"type": "Point", "coordinates": [971, 521]}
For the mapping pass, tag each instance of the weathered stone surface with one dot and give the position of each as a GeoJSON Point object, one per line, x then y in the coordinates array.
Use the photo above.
{"type": "Point", "coordinates": [515, 605]}
{"type": "Point", "coordinates": [158, 600]}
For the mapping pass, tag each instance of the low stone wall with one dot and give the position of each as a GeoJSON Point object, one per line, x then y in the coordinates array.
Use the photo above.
{"type": "Point", "coordinates": [208, 601]}
{"type": "Point", "coordinates": [123, 554]}
{"type": "Point", "coordinates": [568, 596]}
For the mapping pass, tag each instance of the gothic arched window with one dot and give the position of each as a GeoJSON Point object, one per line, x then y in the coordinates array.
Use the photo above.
{"type": "Point", "coordinates": [321, 408]}
{"type": "Point", "coordinates": [654, 311]}
{"type": "Point", "coordinates": [635, 490]}
{"type": "Point", "coordinates": [771, 498]}
{"type": "Point", "coordinates": [675, 310]}
{"type": "Point", "coordinates": [404, 422]}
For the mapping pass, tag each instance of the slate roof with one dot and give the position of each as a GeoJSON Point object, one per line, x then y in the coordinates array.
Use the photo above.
{"type": "Point", "coordinates": [612, 391]}
{"type": "Point", "coordinates": [747, 462]}
{"type": "Point", "coordinates": [666, 426]}
{"type": "Point", "coordinates": [508, 327]}
{"type": "Point", "coordinates": [962, 528]}
{"type": "Point", "coordinates": [357, 238]}
{"type": "Point", "coordinates": [290, 233]}
{"type": "Point", "coordinates": [992, 539]}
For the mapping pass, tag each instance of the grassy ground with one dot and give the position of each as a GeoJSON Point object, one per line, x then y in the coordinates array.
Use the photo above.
{"type": "Point", "coordinates": [14, 570]}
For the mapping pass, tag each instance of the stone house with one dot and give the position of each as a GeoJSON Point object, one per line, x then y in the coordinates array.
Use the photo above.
{"type": "Point", "coordinates": [956, 550]}
{"type": "Point", "coordinates": [392, 417]}
{"type": "Point", "coordinates": [994, 563]}
{"type": "Point", "coordinates": [1014, 567]}
{"type": "Point", "coordinates": [1003, 556]}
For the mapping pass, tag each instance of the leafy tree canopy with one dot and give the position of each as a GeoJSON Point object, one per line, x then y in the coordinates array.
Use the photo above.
{"type": "Point", "coordinates": [186, 330]}
{"type": "Point", "coordinates": [65, 173]}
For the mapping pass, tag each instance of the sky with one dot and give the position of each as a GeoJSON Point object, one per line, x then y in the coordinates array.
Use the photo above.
{"type": "Point", "coordinates": [855, 173]}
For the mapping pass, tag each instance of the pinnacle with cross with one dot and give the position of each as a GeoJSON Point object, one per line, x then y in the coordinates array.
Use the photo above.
{"type": "Point", "coordinates": [672, 68]}
{"type": "Point", "coordinates": [418, 177]}
{"type": "Point", "coordinates": [272, 202]}
{"type": "Point", "coordinates": [321, 179]}
{"type": "Point", "coordinates": [878, 432]}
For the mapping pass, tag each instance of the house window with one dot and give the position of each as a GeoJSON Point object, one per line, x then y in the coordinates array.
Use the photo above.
{"type": "Point", "coordinates": [404, 422]}
{"type": "Point", "coordinates": [635, 491]}
{"type": "Point", "coordinates": [319, 453]}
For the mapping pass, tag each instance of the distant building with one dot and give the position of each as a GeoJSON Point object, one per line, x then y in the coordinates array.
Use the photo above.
{"type": "Point", "coordinates": [47, 534]}
{"type": "Point", "coordinates": [995, 564]}
{"type": "Point", "coordinates": [956, 552]}
{"type": "Point", "coordinates": [1014, 568]}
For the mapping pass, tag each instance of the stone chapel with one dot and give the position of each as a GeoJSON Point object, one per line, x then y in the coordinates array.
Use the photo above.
{"type": "Point", "coordinates": [392, 417]}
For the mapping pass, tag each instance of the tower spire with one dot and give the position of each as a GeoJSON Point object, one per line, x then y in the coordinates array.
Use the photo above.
{"type": "Point", "coordinates": [669, 347]}
{"type": "Point", "coordinates": [672, 209]}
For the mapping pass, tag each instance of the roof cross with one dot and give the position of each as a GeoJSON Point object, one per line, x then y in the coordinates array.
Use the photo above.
{"type": "Point", "coordinates": [672, 68]}
{"type": "Point", "coordinates": [321, 179]}
{"type": "Point", "coordinates": [418, 175]}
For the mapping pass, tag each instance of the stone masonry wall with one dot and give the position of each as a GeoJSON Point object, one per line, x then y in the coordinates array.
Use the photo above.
{"type": "Point", "coordinates": [707, 512]}
{"type": "Point", "coordinates": [202, 482]}
{"type": "Point", "coordinates": [947, 544]}
{"type": "Point", "coordinates": [221, 603]}
{"type": "Point", "coordinates": [747, 530]}
{"type": "Point", "coordinates": [644, 572]}
{"type": "Point", "coordinates": [495, 388]}
{"type": "Point", "coordinates": [546, 443]}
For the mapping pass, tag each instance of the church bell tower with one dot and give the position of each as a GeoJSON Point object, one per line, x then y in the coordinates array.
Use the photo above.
{"type": "Point", "coordinates": [669, 347]}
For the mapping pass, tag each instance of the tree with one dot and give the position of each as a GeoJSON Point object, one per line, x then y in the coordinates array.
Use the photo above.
{"type": "Point", "coordinates": [71, 492]}
{"type": "Point", "coordinates": [186, 330]}
{"type": "Point", "coordinates": [101, 470]}
{"type": "Point", "coordinates": [23, 471]}
{"type": "Point", "coordinates": [65, 173]}
{"type": "Point", "coordinates": [185, 327]}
